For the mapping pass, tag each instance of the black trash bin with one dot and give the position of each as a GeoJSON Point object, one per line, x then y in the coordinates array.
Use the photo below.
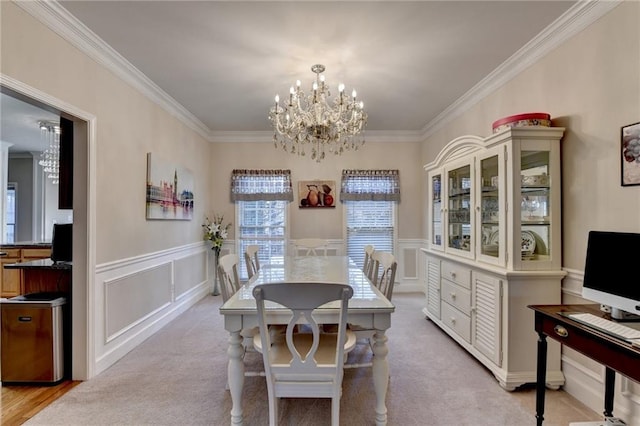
{"type": "Point", "coordinates": [32, 339]}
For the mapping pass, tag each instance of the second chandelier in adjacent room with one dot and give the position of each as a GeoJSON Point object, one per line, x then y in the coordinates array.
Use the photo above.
{"type": "Point", "coordinates": [50, 157]}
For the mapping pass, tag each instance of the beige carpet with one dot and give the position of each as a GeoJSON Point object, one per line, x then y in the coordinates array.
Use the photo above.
{"type": "Point", "coordinates": [178, 377]}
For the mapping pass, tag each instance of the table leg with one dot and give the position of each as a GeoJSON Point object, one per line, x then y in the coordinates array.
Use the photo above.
{"type": "Point", "coordinates": [541, 377]}
{"type": "Point", "coordinates": [235, 375]}
{"type": "Point", "coordinates": [380, 375]}
{"type": "Point", "coordinates": [609, 389]}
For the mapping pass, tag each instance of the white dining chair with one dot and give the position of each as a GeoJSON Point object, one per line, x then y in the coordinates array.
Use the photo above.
{"type": "Point", "coordinates": [229, 285]}
{"type": "Point", "coordinates": [303, 365]}
{"type": "Point", "coordinates": [228, 274]}
{"type": "Point", "coordinates": [251, 259]}
{"type": "Point", "coordinates": [310, 247]}
{"type": "Point", "coordinates": [367, 266]}
{"type": "Point", "coordinates": [384, 273]}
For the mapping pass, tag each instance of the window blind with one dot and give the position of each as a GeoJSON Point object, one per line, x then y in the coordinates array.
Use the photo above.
{"type": "Point", "coordinates": [261, 198]}
{"type": "Point", "coordinates": [253, 185]}
{"type": "Point", "coordinates": [374, 185]}
{"type": "Point", "coordinates": [370, 198]}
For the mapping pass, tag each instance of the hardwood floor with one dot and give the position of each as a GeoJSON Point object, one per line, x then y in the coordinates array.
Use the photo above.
{"type": "Point", "coordinates": [19, 403]}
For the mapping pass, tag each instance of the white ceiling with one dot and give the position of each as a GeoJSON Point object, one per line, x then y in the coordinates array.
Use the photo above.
{"type": "Point", "coordinates": [224, 61]}
{"type": "Point", "coordinates": [19, 124]}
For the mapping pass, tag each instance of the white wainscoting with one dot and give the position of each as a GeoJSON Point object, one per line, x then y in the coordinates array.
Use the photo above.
{"type": "Point", "coordinates": [585, 378]}
{"type": "Point", "coordinates": [410, 272]}
{"type": "Point", "coordinates": [135, 297]}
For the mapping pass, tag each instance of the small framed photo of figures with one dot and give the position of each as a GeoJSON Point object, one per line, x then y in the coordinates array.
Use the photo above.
{"type": "Point", "coordinates": [317, 194]}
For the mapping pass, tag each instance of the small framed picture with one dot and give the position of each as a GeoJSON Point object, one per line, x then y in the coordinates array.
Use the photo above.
{"type": "Point", "coordinates": [317, 193]}
{"type": "Point", "coordinates": [630, 154]}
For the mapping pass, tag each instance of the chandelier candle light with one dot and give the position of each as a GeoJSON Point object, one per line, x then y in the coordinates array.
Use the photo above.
{"type": "Point", "coordinates": [311, 120]}
{"type": "Point", "coordinates": [50, 157]}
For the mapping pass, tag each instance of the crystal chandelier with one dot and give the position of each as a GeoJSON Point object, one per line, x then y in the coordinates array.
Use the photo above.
{"type": "Point", "coordinates": [50, 157]}
{"type": "Point", "coordinates": [310, 121]}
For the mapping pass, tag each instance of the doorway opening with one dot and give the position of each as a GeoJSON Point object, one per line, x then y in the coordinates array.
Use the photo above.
{"type": "Point", "coordinates": [83, 217]}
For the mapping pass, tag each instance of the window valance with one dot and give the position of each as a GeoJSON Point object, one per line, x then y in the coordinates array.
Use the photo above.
{"type": "Point", "coordinates": [370, 185]}
{"type": "Point", "coordinates": [261, 185]}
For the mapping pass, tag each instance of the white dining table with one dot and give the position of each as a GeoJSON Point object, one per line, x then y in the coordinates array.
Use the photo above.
{"type": "Point", "coordinates": [368, 308]}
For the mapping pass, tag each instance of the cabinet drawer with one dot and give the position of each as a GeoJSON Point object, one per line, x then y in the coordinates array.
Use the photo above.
{"type": "Point", "coordinates": [36, 253]}
{"type": "Point", "coordinates": [456, 321]}
{"type": "Point", "coordinates": [11, 253]}
{"type": "Point", "coordinates": [456, 296]}
{"type": "Point", "coordinates": [457, 273]}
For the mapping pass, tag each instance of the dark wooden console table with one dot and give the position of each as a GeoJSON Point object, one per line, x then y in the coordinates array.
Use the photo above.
{"type": "Point", "coordinates": [615, 354]}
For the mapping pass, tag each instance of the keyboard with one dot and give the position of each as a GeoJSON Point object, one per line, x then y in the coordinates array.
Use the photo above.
{"type": "Point", "coordinates": [607, 326]}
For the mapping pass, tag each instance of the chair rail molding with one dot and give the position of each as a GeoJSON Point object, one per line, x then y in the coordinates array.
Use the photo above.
{"type": "Point", "coordinates": [137, 296]}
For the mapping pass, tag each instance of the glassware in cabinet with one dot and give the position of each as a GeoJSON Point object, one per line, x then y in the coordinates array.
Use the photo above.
{"type": "Point", "coordinates": [490, 172]}
{"type": "Point", "coordinates": [459, 205]}
{"type": "Point", "coordinates": [436, 210]}
{"type": "Point", "coordinates": [535, 205]}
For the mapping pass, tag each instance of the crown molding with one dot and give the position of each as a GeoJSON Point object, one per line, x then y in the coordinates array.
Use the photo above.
{"type": "Point", "coordinates": [67, 26]}
{"type": "Point", "coordinates": [574, 20]}
{"type": "Point", "coordinates": [248, 136]}
{"type": "Point", "coordinates": [371, 136]}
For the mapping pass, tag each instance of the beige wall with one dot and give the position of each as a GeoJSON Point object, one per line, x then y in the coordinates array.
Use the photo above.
{"type": "Point", "coordinates": [325, 223]}
{"type": "Point", "coordinates": [591, 86]}
{"type": "Point", "coordinates": [128, 126]}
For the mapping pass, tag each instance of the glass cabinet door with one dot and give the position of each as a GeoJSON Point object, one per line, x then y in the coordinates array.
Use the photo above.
{"type": "Point", "coordinates": [535, 206]}
{"type": "Point", "coordinates": [459, 209]}
{"type": "Point", "coordinates": [435, 189]}
{"type": "Point", "coordinates": [490, 177]}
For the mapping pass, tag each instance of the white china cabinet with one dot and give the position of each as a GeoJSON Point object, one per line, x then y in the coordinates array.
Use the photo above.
{"type": "Point", "coordinates": [494, 246]}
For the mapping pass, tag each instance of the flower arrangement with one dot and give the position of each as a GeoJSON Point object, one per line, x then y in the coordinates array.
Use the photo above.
{"type": "Point", "coordinates": [215, 231]}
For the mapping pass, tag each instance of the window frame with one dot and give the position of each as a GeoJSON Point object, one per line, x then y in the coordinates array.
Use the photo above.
{"type": "Point", "coordinates": [345, 219]}
{"type": "Point", "coordinates": [242, 269]}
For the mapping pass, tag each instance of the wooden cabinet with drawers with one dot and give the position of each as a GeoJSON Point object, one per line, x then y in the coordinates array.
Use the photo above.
{"type": "Point", "coordinates": [11, 281]}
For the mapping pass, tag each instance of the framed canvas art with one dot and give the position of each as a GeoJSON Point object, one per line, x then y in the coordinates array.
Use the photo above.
{"type": "Point", "coordinates": [169, 190]}
{"type": "Point", "coordinates": [630, 154]}
{"type": "Point", "coordinates": [317, 193]}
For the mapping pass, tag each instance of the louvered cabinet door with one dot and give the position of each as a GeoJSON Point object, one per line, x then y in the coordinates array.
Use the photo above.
{"type": "Point", "coordinates": [433, 286]}
{"type": "Point", "coordinates": [486, 316]}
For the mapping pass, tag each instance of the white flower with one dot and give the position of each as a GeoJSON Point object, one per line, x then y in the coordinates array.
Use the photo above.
{"type": "Point", "coordinates": [215, 231]}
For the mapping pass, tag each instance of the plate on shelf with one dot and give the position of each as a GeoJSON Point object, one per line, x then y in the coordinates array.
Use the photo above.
{"type": "Point", "coordinates": [541, 247]}
{"type": "Point", "coordinates": [494, 237]}
{"type": "Point", "coordinates": [528, 242]}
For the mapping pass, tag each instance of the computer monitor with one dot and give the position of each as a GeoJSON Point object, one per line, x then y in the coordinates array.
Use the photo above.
{"type": "Point", "coordinates": [61, 242]}
{"type": "Point", "coordinates": [611, 274]}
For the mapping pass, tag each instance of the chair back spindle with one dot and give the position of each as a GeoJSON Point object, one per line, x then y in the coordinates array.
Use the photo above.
{"type": "Point", "coordinates": [228, 273]}
{"type": "Point", "coordinates": [251, 260]}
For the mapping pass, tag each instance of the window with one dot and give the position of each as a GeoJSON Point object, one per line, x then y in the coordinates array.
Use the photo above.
{"type": "Point", "coordinates": [369, 222]}
{"type": "Point", "coordinates": [261, 198]}
{"type": "Point", "coordinates": [263, 223]}
{"type": "Point", "coordinates": [10, 236]}
{"type": "Point", "coordinates": [370, 198]}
